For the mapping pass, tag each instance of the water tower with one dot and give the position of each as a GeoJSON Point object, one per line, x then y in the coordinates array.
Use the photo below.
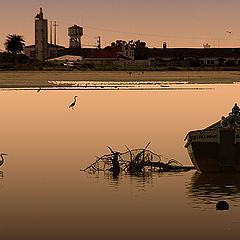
{"type": "Point", "coordinates": [75, 33]}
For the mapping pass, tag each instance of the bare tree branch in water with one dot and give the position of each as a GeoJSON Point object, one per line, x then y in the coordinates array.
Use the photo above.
{"type": "Point", "coordinates": [135, 161]}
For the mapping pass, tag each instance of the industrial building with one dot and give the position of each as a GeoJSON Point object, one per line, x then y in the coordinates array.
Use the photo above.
{"type": "Point", "coordinates": [189, 56]}
{"type": "Point", "coordinates": [42, 49]}
{"type": "Point", "coordinates": [123, 55]}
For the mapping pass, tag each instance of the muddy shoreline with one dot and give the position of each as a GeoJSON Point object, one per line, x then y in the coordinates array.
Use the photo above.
{"type": "Point", "coordinates": [34, 79]}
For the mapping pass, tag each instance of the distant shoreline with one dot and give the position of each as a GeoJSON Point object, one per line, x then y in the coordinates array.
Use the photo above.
{"type": "Point", "coordinates": [48, 67]}
{"type": "Point", "coordinates": [53, 79]}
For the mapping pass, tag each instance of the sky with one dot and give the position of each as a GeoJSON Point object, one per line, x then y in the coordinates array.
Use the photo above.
{"type": "Point", "coordinates": [181, 23]}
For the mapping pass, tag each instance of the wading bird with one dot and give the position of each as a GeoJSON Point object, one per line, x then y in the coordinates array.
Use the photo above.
{"type": "Point", "coordinates": [3, 154]}
{"type": "Point", "coordinates": [73, 103]}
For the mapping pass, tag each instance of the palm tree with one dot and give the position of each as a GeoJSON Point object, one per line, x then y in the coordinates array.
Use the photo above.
{"type": "Point", "coordinates": [14, 43]}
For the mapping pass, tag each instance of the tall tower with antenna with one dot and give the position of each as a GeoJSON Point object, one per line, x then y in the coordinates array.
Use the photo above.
{"type": "Point", "coordinates": [41, 36]}
{"type": "Point", "coordinates": [75, 34]}
{"type": "Point", "coordinates": [42, 49]}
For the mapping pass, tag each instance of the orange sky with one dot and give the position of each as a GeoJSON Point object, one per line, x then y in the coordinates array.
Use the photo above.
{"type": "Point", "coordinates": [182, 23]}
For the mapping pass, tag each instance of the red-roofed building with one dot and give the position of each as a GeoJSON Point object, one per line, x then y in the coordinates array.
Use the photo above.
{"type": "Point", "coordinates": [111, 55]}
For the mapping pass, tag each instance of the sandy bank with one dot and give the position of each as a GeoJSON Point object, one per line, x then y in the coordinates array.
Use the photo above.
{"type": "Point", "coordinates": [43, 79]}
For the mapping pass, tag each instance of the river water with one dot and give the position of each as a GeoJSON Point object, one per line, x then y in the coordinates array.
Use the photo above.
{"type": "Point", "coordinates": [44, 195]}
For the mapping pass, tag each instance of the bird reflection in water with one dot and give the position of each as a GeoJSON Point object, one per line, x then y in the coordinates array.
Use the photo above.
{"type": "Point", "coordinates": [209, 188]}
{"type": "Point", "coordinates": [1, 163]}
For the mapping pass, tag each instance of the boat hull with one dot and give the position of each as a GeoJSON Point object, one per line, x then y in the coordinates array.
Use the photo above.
{"type": "Point", "coordinates": [215, 150]}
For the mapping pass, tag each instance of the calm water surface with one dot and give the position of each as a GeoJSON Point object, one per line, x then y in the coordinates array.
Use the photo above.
{"type": "Point", "coordinates": [43, 194]}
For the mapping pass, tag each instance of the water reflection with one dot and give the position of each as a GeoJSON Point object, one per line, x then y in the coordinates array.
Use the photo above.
{"type": "Point", "coordinates": [126, 85]}
{"type": "Point", "coordinates": [214, 187]}
{"type": "Point", "coordinates": [1, 179]}
{"type": "Point", "coordinates": [113, 181]}
{"type": "Point", "coordinates": [139, 182]}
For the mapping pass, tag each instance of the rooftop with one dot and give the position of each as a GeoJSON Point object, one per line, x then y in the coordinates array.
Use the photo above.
{"type": "Point", "coordinates": [69, 58]}
{"type": "Point", "coordinates": [108, 52]}
{"type": "Point", "coordinates": [188, 52]}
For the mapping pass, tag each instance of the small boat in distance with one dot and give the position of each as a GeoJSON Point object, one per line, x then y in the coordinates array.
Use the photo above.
{"type": "Point", "coordinates": [217, 147]}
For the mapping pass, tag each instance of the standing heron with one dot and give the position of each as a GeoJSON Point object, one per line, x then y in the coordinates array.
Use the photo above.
{"type": "Point", "coordinates": [2, 154]}
{"type": "Point", "coordinates": [73, 103]}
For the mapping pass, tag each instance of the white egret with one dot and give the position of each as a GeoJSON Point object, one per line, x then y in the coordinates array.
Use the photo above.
{"type": "Point", "coordinates": [2, 154]}
{"type": "Point", "coordinates": [73, 103]}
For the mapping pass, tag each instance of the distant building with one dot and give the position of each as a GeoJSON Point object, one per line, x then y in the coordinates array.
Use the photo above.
{"type": "Point", "coordinates": [206, 46]}
{"type": "Point", "coordinates": [42, 49]}
{"type": "Point", "coordinates": [189, 56]}
{"type": "Point", "coordinates": [164, 45]}
{"type": "Point", "coordinates": [41, 37]}
{"type": "Point", "coordinates": [120, 55]}
{"type": "Point", "coordinates": [84, 52]}
{"type": "Point", "coordinates": [66, 59]}
{"type": "Point", "coordinates": [75, 33]}
{"type": "Point", "coordinates": [109, 54]}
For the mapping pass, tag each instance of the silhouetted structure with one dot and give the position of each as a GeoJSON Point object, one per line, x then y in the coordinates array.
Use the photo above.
{"type": "Point", "coordinates": [83, 52]}
{"type": "Point", "coordinates": [112, 55]}
{"type": "Point", "coordinates": [41, 36]}
{"type": "Point", "coordinates": [99, 43]}
{"type": "Point", "coordinates": [189, 56]}
{"type": "Point", "coordinates": [164, 45]}
{"type": "Point", "coordinates": [75, 33]}
{"type": "Point", "coordinates": [42, 49]}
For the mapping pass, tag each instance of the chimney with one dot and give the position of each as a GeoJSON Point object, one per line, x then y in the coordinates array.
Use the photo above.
{"type": "Point", "coordinates": [50, 32]}
{"type": "Point", "coordinates": [55, 33]}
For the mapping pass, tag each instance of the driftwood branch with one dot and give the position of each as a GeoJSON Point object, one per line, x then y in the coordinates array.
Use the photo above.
{"type": "Point", "coordinates": [134, 161]}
